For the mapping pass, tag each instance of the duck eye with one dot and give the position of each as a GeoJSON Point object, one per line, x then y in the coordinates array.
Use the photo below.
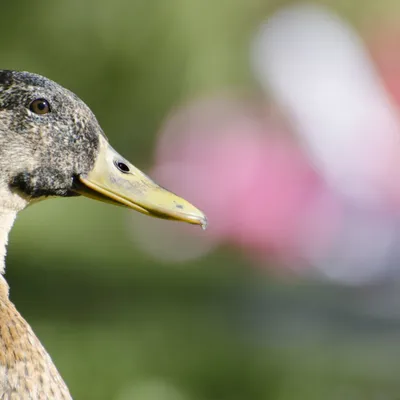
{"type": "Point", "coordinates": [40, 106]}
{"type": "Point", "coordinates": [122, 167]}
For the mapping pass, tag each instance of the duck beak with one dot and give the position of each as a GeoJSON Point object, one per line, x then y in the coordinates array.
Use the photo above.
{"type": "Point", "coordinates": [115, 180]}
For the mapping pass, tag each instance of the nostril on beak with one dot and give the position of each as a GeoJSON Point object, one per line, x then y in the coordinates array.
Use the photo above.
{"type": "Point", "coordinates": [122, 167]}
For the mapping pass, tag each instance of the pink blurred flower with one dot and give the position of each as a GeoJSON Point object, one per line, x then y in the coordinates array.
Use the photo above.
{"type": "Point", "coordinates": [248, 175]}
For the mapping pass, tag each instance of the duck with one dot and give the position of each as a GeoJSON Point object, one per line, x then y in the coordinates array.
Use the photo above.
{"type": "Point", "coordinates": [51, 145]}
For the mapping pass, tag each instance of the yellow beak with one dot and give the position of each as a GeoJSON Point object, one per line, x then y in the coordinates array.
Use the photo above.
{"type": "Point", "coordinates": [115, 180]}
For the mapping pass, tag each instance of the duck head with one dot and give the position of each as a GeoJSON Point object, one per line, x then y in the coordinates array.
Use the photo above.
{"type": "Point", "coordinates": [52, 145]}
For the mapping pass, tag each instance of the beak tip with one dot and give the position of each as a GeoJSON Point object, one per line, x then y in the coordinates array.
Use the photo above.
{"type": "Point", "coordinates": [204, 223]}
{"type": "Point", "coordinates": [198, 218]}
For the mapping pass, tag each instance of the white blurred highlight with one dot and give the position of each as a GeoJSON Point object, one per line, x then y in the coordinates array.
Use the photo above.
{"type": "Point", "coordinates": [320, 72]}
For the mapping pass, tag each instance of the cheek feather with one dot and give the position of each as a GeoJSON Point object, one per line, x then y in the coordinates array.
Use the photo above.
{"type": "Point", "coordinates": [43, 182]}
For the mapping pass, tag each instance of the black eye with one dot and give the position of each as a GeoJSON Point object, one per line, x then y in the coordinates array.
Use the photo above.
{"type": "Point", "coordinates": [122, 167]}
{"type": "Point", "coordinates": [40, 106]}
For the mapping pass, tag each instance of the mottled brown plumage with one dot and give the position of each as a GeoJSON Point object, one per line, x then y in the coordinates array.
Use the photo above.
{"type": "Point", "coordinates": [26, 370]}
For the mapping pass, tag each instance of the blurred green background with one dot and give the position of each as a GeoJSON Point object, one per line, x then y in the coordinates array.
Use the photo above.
{"type": "Point", "coordinates": [122, 326]}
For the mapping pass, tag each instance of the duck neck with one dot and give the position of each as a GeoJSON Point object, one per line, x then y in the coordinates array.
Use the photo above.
{"type": "Point", "coordinates": [7, 218]}
{"type": "Point", "coordinates": [10, 203]}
